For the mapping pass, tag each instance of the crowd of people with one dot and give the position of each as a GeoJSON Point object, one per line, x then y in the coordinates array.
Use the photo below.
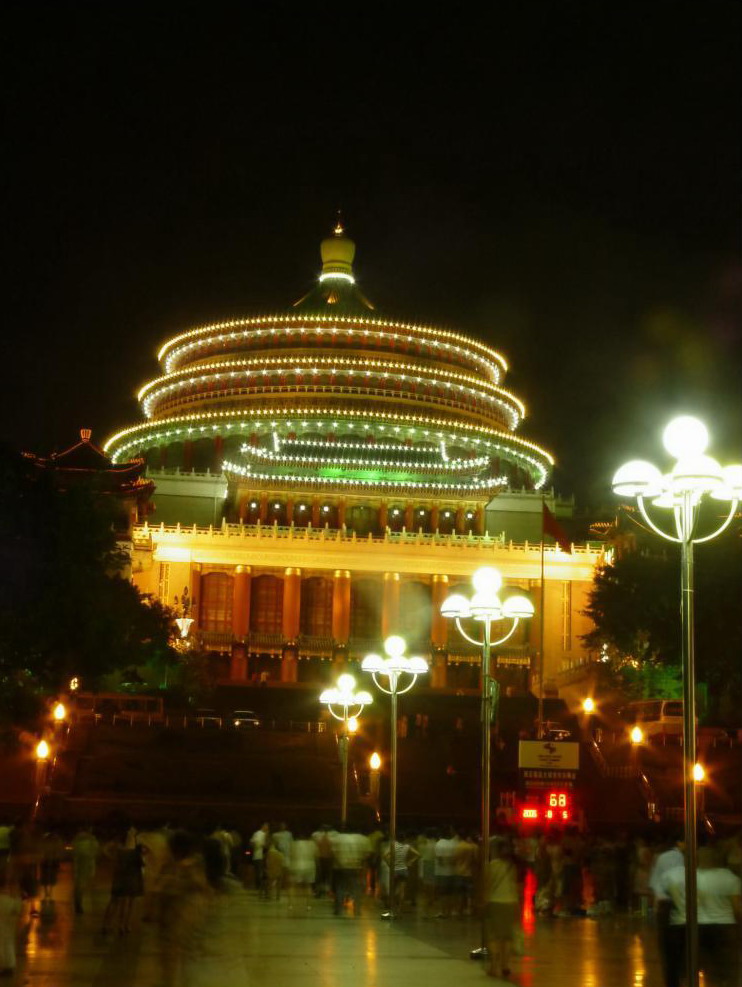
{"type": "Point", "coordinates": [185, 883]}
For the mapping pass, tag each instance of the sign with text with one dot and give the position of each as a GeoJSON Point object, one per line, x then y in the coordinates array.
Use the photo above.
{"type": "Point", "coordinates": [552, 755]}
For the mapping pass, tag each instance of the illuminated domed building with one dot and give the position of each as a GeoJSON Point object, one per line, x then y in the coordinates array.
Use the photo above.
{"type": "Point", "coordinates": [324, 476]}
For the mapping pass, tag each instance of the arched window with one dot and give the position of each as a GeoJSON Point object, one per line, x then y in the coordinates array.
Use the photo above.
{"type": "Point", "coordinates": [365, 609]}
{"type": "Point", "coordinates": [315, 618]}
{"type": "Point", "coordinates": [216, 602]}
{"type": "Point", "coordinates": [266, 605]}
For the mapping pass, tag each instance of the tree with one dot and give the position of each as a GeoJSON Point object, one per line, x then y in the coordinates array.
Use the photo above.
{"type": "Point", "coordinates": [65, 608]}
{"type": "Point", "coordinates": [635, 606]}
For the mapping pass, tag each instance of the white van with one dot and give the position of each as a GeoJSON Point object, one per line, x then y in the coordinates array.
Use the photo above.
{"type": "Point", "coordinates": [655, 716]}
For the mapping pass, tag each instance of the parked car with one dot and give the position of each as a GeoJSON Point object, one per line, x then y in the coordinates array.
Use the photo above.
{"type": "Point", "coordinates": [242, 718]}
{"type": "Point", "coordinates": [556, 731]}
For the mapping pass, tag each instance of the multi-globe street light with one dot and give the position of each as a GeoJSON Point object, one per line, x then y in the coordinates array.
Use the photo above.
{"type": "Point", "coordinates": [486, 607]}
{"type": "Point", "coordinates": [683, 490]}
{"type": "Point", "coordinates": [345, 705]}
{"type": "Point", "coordinates": [394, 675]}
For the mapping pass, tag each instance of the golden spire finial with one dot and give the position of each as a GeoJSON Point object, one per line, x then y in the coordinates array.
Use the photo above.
{"type": "Point", "coordinates": [339, 229]}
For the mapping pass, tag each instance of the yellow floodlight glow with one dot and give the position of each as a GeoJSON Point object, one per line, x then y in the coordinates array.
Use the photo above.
{"type": "Point", "coordinates": [588, 705]}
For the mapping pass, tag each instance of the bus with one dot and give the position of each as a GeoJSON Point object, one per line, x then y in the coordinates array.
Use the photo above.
{"type": "Point", "coordinates": [655, 716]}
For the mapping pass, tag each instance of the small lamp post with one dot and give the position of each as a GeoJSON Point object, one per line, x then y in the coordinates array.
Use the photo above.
{"type": "Point", "coordinates": [345, 705]}
{"type": "Point", "coordinates": [693, 477]}
{"type": "Point", "coordinates": [486, 607]}
{"type": "Point", "coordinates": [374, 763]}
{"type": "Point", "coordinates": [42, 752]}
{"type": "Point", "coordinates": [394, 675]}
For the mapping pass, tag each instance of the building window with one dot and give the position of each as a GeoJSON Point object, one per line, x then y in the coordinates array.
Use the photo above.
{"type": "Point", "coordinates": [316, 607]}
{"type": "Point", "coordinates": [365, 609]}
{"type": "Point", "coordinates": [266, 605]}
{"type": "Point", "coordinates": [566, 616]}
{"type": "Point", "coordinates": [216, 602]}
{"type": "Point", "coordinates": [163, 587]}
{"type": "Point", "coordinates": [415, 612]}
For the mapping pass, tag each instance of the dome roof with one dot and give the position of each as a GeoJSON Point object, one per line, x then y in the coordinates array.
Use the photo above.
{"type": "Point", "coordinates": [331, 394]}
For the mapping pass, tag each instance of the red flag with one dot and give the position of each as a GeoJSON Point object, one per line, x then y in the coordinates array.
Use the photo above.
{"type": "Point", "coordinates": [550, 526]}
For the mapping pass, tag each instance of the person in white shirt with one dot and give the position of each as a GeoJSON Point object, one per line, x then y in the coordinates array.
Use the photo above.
{"type": "Point", "coordinates": [258, 842]}
{"type": "Point", "coordinates": [350, 852]}
{"type": "Point", "coordinates": [445, 872]}
{"type": "Point", "coordinates": [670, 858]}
{"type": "Point", "coordinates": [719, 911]}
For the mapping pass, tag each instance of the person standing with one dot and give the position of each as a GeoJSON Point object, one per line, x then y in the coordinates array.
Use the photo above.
{"type": "Point", "coordinates": [52, 848]}
{"type": "Point", "coordinates": [670, 858]}
{"type": "Point", "coordinates": [282, 840]}
{"type": "Point", "coordinates": [719, 911]}
{"type": "Point", "coordinates": [445, 872]}
{"type": "Point", "coordinates": [349, 852]}
{"type": "Point", "coordinates": [500, 908]}
{"type": "Point", "coordinates": [302, 868]}
{"type": "Point", "coordinates": [85, 850]}
{"type": "Point", "coordinates": [259, 844]}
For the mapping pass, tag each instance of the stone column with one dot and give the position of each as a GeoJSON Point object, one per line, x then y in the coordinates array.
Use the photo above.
{"type": "Point", "coordinates": [315, 512]}
{"type": "Point", "coordinates": [435, 518]}
{"type": "Point", "coordinates": [439, 624]}
{"type": "Point", "coordinates": [341, 513]}
{"type": "Point", "coordinates": [383, 516]}
{"type": "Point", "coordinates": [460, 520]}
{"type": "Point", "coordinates": [341, 606]}
{"type": "Point", "coordinates": [390, 605]}
{"type": "Point", "coordinates": [479, 520]}
{"type": "Point", "coordinates": [241, 602]}
{"type": "Point", "coordinates": [409, 518]}
{"type": "Point", "coordinates": [263, 509]}
{"type": "Point", "coordinates": [289, 510]}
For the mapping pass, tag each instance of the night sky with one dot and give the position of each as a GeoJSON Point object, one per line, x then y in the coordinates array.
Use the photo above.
{"type": "Point", "coordinates": [560, 179]}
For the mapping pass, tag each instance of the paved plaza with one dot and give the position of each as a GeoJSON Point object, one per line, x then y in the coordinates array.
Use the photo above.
{"type": "Point", "coordinates": [282, 947]}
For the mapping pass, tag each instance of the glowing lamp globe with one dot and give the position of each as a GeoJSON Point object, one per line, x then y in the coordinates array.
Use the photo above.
{"type": "Point", "coordinates": [417, 666]}
{"type": "Point", "coordinates": [346, 683]}
{"type": "Point", "coordinates": [394, 646]}
{"type": "Point", "coordinates": [374, 761]}
{"type": "Point", "coordinates": [699, 772]}
{"type": "Point", "coordinates": [455, 605]}
{"type": "Point", "coordinates": [59, 712]}
{"type": "Point", "coordinates": [588, 705]}
{"type": "Point", "coordinates": [685, 436]}
{"type": "Point", "coordinates": [732, 484]}
{"type": "Point", "coordinates": [486, 606]}
{"type": "Point", "coordinates": [373, 663]}
{"type": "Point", "coordinates": [637, 735]}
{"type": "Point", "coordinates": [487, 580]}
{"type": "Point", "coordinates": [42, 750]}
{"type": "Point", "coordinates": [517, 607]}
{"type": "Point", "coordinates": [637, 478]}
{"type": "Point", "coordinates": [363, 698]}
{"type": "Point", "coordinates": [697, 473]}
{"type": "Point", "coordinates": [352, 724]}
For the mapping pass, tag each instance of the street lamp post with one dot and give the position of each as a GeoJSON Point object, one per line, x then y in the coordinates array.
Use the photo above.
{"type": "Point", "coordinates": [374, 763]}
{"type": "Point", "coordinates": [682, 491]}
{"type": "Point", "coordinates": [345, 705]}
{"type": "Point", "coordinates": [486, 607]}
{"type": "Point", "coordinates": [395, 670]}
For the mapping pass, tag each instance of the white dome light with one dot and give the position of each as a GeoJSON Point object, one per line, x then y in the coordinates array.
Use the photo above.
{"type": "Point", "coordinates": [696, 472]}
{"type": "Point", "coordinates": [637, 478]}
{"type": "Point", "coordinates": [732, 488]}
{"type": "Point", "coordinates": [685, 436]}
{"type": "Point", "coordinates": [517, 606]}
{"type": "Point", "coordinates": [455, 605]}
{"type": "Point", "coordinates": [395, 646]}
{"type": "Point", "coordinates": [487, 580]}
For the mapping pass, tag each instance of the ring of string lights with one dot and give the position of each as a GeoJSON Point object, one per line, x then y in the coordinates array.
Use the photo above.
{"type": "Point", "coordinates": [254, 377]}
